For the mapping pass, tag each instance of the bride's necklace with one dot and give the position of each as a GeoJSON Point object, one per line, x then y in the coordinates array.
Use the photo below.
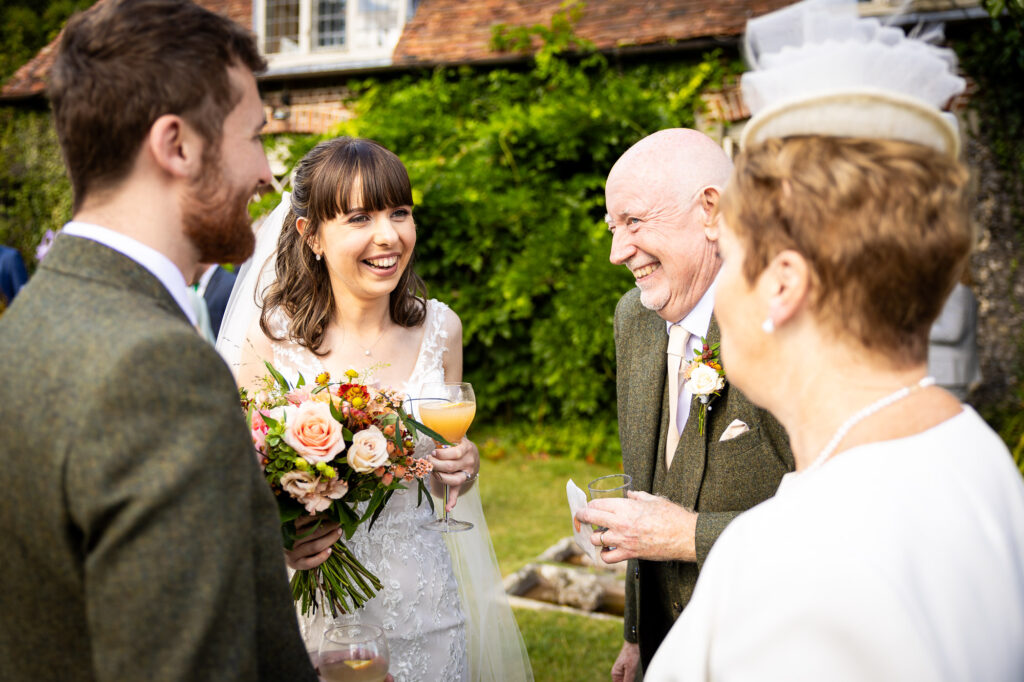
{"type": "Point", "coordinates": [863, 414]}
{"type": "Point", "coordinates": [367, 350]}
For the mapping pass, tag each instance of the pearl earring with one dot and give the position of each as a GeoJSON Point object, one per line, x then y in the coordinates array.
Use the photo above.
{"type": "Point", "coordinates": [318, 257]}
{"type": "Point", "coordinates": [768, 325]}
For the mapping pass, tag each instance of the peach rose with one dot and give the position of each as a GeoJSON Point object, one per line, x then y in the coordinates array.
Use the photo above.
{"type": "Point", "coordinates": [313, 433]}
{"type": "Point", "coordinates": [369, 450]}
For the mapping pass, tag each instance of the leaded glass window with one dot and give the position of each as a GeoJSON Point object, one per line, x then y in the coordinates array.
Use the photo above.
{"type": "Point", "coordinates": [282, 27]}
{"type": "Point", "coordinates": [330, 23]}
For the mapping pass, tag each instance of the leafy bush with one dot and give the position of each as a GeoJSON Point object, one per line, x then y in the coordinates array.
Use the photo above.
{"type": "Point", "coordinates": [35, 194]}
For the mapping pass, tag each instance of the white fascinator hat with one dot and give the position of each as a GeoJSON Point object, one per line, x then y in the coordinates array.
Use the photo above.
{"type": "Point", "coordinates": [817, 68]}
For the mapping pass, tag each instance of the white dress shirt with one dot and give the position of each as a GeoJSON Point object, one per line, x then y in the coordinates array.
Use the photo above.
{"type": "Point", "coordinates": [152, 260]}
{"type": "Point", "coordinates": [696, 322]}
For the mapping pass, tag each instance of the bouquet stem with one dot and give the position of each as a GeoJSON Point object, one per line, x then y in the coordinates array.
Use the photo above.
{"type": "Point", "coordinates": [340, 584]}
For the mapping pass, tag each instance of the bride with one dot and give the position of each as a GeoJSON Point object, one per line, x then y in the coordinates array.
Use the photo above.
{"type": "Point", "coordinates": [330, 288]}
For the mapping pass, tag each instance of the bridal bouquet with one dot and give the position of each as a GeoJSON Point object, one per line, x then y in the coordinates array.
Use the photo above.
{"type": "Point", "coordinates": [324, 450]}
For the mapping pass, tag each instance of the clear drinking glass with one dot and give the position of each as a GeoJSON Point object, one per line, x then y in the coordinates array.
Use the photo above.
{"type": "Point", "coordinates": [353, 652]}
{"type": "Point", "coordinates": [613, 485]}
{"type": "Point", "coordinates": [448, 408]}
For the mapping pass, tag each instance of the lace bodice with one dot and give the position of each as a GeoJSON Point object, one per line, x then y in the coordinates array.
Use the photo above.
{"type": "Point", "coordinates": [292, 358]}
{"type": "Point", "coordinates": [418, 606]}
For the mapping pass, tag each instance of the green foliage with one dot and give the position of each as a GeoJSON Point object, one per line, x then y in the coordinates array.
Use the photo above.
{"type": "Point", "coordinates": [993, 55]}
{"type": "Point", "coordinates": [28, 25]}
{"type": "Point", "coordinates": [1014, 8]}
{"type": "Point", "coordinates": [508, 170]}
{"type": "Point", "coordinates": [35, 194]}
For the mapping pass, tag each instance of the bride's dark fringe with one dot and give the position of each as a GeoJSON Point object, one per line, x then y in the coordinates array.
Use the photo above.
{"type": "Point", "coordinates": [322, 190]}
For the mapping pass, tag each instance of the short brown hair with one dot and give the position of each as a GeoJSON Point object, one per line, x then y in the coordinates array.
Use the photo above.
{"type": "Point", "coordinates": [124, 63]}
{"type": "Point", "coordinates": [322, 190]}
{"type": "Point", "coordinates": [883, 224]}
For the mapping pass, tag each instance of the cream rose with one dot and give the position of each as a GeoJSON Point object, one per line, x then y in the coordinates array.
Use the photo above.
{"type": "Point", "coordinates": [369, 450]}
{"type": "Point", "coordinates": [313, 433]}
{"type": "Point", "coordinates": [705, 381]}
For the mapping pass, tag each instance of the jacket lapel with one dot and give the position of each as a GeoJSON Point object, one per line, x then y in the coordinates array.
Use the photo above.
{"type": "Point", "coordinates": [647, 390]}
{"type": "Point", "coordinates": [692, 451]}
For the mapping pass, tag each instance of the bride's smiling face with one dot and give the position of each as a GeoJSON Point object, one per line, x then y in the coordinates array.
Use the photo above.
{"type": "Point", "coordinates": [366, 250]}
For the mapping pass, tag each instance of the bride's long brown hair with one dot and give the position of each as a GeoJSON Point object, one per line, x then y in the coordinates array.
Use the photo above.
{"type": "Point", "coordinates": [322, 190]}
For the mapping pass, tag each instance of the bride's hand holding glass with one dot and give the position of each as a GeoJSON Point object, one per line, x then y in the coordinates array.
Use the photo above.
{"type": "Point", "coordinates": [457, 467]}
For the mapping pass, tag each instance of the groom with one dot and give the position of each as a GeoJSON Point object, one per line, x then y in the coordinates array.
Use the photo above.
{"type": "Point", "coordinates": [140, 540]}
{"type": "Point", "coordinates": [703, 467]}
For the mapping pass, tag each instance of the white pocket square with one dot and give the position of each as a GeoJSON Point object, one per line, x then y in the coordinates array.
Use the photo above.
{"type": "Point", "coordinates": [737, 428]}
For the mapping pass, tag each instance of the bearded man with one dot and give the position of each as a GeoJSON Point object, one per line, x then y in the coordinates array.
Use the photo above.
{"type": "Point", "coordinates": [142, 541]}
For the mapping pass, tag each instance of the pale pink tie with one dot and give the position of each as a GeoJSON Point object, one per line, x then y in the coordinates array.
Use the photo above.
{"type": "Point", "coordinates": [677, 339]}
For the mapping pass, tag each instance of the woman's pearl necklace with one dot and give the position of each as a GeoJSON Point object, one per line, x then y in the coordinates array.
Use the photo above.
{"type": "Point", "coordinates": [863, 414]}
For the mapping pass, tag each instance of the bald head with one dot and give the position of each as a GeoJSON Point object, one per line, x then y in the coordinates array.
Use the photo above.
{"type": "Point", "coordinates": [662, 197]}
{"type": "Point", "coordinates": [673, 163]}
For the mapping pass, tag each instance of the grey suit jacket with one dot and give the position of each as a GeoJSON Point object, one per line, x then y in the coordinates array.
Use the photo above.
{"type": "Point", "coordinates": [140, 541]}
{"type": "Point", "coordinates": [717, 479]}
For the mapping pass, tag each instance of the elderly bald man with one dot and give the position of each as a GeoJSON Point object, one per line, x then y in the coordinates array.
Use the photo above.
{"type": "Point", "coordinates": [695, 465]}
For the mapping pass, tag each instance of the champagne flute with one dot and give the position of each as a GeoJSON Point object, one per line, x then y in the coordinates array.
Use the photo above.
{"type": "Point", "coordinates": [447, 408]}
{"type": "Point", "coordinates": [353, 652]}
{"type": "Point", "coordinates": [613, 485]}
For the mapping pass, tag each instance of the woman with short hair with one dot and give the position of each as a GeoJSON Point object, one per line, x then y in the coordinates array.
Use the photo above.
{"type": "Point", "coordinates": [895, 551]}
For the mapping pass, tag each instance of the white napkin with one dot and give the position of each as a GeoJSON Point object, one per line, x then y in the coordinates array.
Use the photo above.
{"type": "Point", "coordinates": [737, 428]}
{"type": "Point", "coordinates": [577, 501]}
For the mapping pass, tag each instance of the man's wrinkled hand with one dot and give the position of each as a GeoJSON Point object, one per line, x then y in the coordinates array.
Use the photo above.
{"type": "Point", "coordinates": [627, 663]}
{"type": "Point", "coordinates": [642, 526]}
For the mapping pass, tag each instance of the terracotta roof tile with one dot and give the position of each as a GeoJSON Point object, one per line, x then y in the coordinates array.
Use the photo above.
{"type": "Point", "coordinates": [455, 31]}
{"type": "Point", "coordinates": [30, 79]}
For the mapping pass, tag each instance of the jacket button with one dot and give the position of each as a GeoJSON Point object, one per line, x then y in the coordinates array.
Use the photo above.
{"type": "Point", "coordinates": [636, 572]}
{"type": "Point", "coordinates": [676, 607]}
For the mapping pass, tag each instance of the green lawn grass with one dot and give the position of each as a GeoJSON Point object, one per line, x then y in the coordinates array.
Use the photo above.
{"type": "Point", "coordinates": [564, 647]}
{"type": "Point", "coordinates": [527, 512]}
{"type": "Point", "coordinates": [525, 503]}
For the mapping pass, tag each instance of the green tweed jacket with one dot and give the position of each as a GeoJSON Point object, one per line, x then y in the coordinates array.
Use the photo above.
{"type": "Point", "coordinates": [139, 541]}
{"type": "Point", "coordinates": [717, 479]}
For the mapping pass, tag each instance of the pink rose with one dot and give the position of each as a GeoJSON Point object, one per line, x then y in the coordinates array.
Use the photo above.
{"type": "Point", "coordinates": [312, 432]}
{"type": "Point", "coordinates": [368, 451]}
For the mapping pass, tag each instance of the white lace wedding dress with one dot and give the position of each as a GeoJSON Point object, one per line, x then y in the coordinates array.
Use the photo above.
{"type": "Point", "coordinates": [418, 607]}
{"type": "Point", "coordinates": [442, 593]}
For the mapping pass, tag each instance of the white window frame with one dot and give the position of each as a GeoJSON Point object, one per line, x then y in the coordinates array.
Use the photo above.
{"type": "Point", "coordinates": [359, 48]}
